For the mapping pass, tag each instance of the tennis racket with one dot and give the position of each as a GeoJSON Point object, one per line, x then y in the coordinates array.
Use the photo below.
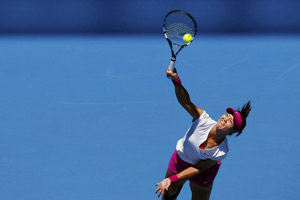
{"type": "Point", "coordinates": [176, 24]}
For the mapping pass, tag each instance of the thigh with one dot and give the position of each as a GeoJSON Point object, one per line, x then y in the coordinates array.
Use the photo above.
{"type": "Point", "coordinates": [207, 177]}
{"type": "Point", "coordinates": [174, 188]}
{"type": "Point", "coordinates": [200, 193]}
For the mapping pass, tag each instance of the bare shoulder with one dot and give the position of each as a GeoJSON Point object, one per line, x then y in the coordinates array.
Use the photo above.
{"type": "Point", "coordinates": [199, 112]}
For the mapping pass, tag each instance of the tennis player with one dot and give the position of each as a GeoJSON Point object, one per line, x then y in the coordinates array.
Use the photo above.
{"type": "Point", "coordinates": [198, 154]}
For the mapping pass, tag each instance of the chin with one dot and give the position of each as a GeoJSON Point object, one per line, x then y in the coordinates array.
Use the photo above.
{"type": "Point", "coordinates": [219, 126]}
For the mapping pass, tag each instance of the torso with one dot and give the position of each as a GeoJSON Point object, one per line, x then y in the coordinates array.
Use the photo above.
{"type": "Point", "coordinates": [210, 142]}
{"type": "Point", "coordinates": [199, 136]}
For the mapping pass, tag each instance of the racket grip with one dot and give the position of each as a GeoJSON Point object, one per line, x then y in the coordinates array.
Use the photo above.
{"type": "Point", "coordinates": [172, 65]}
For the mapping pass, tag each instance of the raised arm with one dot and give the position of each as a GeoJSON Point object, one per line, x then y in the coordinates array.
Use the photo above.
{"type": "Point", "coordinates": [183, 96]}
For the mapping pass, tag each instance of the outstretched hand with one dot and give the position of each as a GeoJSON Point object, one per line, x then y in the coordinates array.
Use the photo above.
{"type": "Point", "coordinates": [172, 74]}
{"type": "Point", "coordinates": [163, 187]}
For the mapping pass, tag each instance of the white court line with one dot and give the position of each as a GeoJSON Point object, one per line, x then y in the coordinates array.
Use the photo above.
{"type": "Point", "coordinates": [290, 69]}
{"type": "Point", "coordinates": [226, 67]}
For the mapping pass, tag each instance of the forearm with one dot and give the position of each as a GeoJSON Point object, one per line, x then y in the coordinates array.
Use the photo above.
{"type": "Point", "coordinates": [182, 95]}
{"type": "Point", "coordinates": [185, 174]}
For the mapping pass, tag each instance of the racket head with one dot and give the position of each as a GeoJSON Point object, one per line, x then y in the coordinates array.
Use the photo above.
{"type": "Point", "coordinates": [176, 24]}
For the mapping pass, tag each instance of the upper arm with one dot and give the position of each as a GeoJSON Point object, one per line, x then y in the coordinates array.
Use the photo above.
{"type": "Point", "coordinates": [185, 101]}
{"type": "Point", "coordinates": [193, 110]}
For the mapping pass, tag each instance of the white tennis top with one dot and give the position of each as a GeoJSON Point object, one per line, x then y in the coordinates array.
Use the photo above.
{"type": "Point", "coordinates": [188, 147]}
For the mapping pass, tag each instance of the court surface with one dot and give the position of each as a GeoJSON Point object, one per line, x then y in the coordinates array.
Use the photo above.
{"type": "Point", "coordinates": [94, 117]}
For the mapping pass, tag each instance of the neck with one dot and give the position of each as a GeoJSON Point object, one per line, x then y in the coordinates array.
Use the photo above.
{"type": "Point", "coordinates": [217, 135]}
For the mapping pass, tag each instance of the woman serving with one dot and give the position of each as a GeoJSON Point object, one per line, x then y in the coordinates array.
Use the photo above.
{"type": "Point", "coordinates": [198, 154]}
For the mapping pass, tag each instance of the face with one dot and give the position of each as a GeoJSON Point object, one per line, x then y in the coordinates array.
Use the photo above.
{"type": "Point", "coordinates": [225, 123]}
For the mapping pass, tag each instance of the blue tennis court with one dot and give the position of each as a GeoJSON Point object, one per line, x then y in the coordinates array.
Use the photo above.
{"type": "Point", "coordinates": [88, 117]}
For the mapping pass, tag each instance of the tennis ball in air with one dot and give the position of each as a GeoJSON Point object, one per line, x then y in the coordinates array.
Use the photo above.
{"type": "Point", "coordinates": [187, 38]}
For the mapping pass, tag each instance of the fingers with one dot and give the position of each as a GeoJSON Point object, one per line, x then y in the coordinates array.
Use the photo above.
{"type": "Point", "coordinates": [162, 188]}
{"type": "Point", "coordinates": [170, 74]}
{"type": "Point", "coordinates": [159, 192]}
{"type": "Point", "coordinates": [158, 189]}
{"type": "Point", "coordinates": [174, 70]}
{"type": "Point", "coordinates": [163, 193]}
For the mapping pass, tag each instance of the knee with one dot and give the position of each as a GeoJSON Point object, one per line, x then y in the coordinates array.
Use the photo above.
{"type": "Point", "coordinates": [169, 195]}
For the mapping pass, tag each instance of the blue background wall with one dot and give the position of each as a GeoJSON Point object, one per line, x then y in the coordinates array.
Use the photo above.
{"type": "Point", "coordinates": [130, 16]}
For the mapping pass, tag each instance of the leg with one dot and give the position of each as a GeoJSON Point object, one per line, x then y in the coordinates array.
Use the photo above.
{"type": "Point", "coordinates": [174, 189]}
{"type": "Point", "coordinates": [200, 193]}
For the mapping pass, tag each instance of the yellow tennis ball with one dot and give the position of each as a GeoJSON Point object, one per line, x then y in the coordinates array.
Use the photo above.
{"type": "Point", "coordinates": [187, 38]}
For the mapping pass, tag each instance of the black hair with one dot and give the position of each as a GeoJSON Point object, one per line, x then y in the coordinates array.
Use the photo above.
{"type": "Point", "coordinates": [244, 113]}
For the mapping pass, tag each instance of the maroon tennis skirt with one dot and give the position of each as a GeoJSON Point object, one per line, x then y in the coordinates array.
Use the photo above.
{"type": "Point", "coordinates": [204, 179]}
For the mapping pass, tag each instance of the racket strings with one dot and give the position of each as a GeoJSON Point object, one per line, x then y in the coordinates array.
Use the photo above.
{"type": "Point", "coordinates": [178, 29]}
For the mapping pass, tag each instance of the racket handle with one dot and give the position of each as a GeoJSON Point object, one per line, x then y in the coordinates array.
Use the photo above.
{"type": "Point", "coordinates": [172, 65]}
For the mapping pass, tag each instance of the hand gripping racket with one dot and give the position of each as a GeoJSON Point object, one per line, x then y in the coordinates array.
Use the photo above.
{"type": "Point", "coordinates": [176, 24]}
